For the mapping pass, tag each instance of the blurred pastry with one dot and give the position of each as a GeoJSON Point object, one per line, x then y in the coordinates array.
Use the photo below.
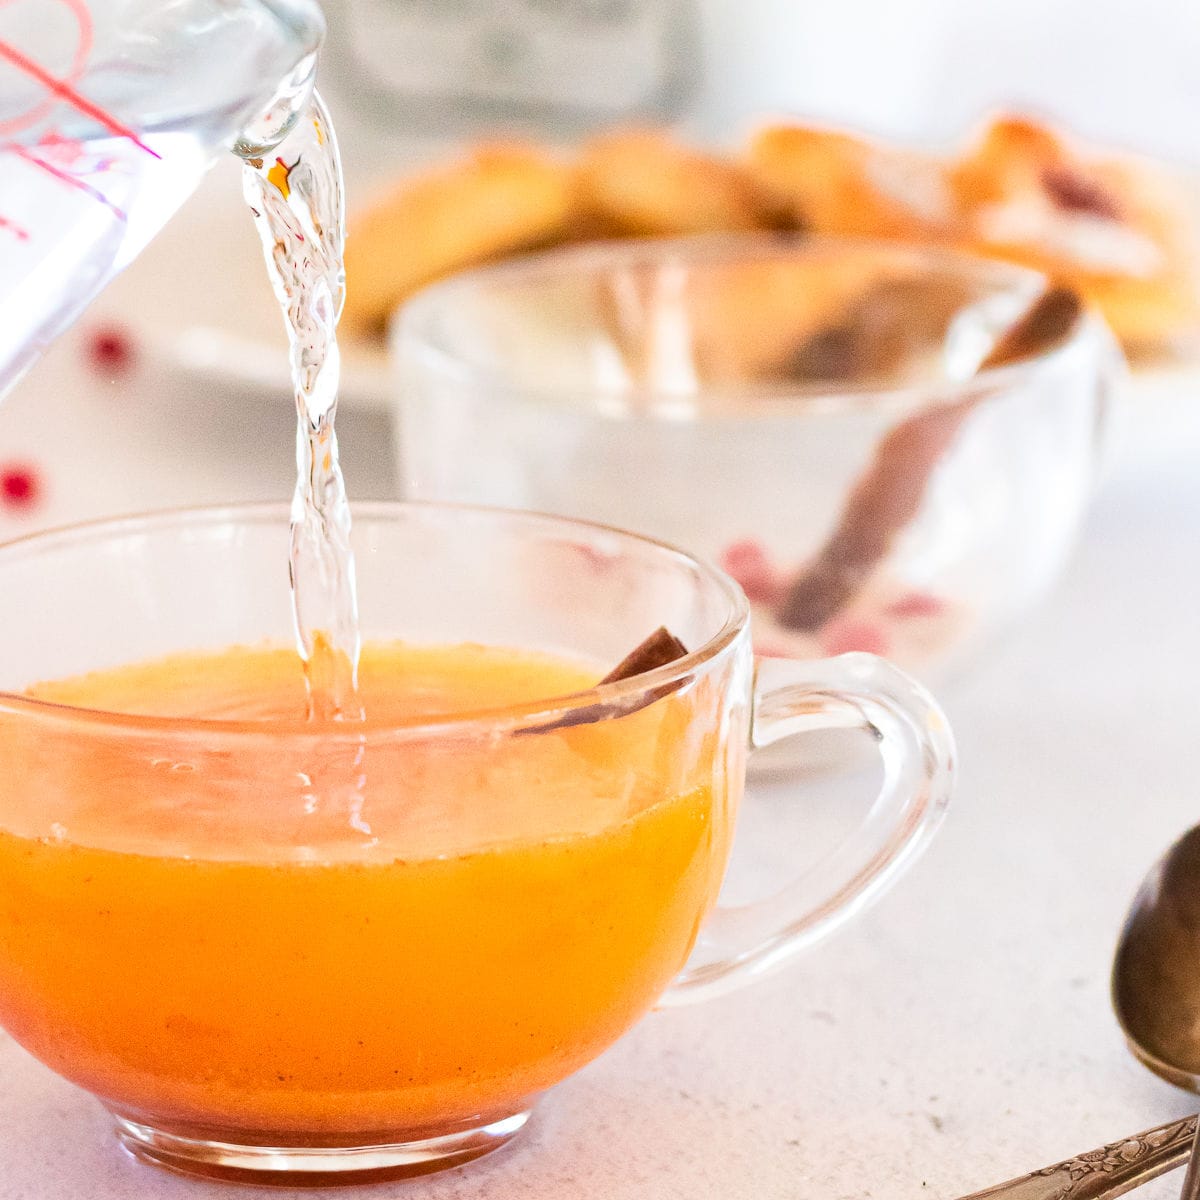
{"type": "Point", "coordinates": [893, 331]}
{"type": "Point", "coordinates": [496, 201]}
{"type": "Point", "coordinates": [834, 318]}
{"type": "Point", "coordinates": [1118, 231]}
{"type": "Point", "coordinates": [745, 319]}
{"type": "Point", "coordinates": [643, 182]}
{"type": "Point", "coordinates": [1121, 232]}
{"type": "Point", "coordinates": [834, 182]}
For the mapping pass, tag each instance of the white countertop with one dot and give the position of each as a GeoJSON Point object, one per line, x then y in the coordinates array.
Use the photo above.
{"type": "Point", "coordinates": [960, 1033]}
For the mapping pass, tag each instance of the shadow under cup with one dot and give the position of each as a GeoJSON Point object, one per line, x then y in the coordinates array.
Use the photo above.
{"type": "Point", "coordinates": [278, 950]}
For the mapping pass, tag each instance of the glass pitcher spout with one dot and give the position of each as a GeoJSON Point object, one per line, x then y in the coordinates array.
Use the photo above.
{"type": "Point", "coordinates": [111, 111]}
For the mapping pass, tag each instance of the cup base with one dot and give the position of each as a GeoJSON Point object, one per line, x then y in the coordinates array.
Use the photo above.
{"type": "Point", "coordinates": [313, 1165]}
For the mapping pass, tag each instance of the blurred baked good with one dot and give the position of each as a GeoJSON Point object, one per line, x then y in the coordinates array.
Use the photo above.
{"type": "Point", "coordinates": [835, 182]}
{"type": "Point", "coordinates": [643, 182]}
{"type": "Point", "coordinates": [745, 318]}
{"type": "Point", "coordinates": [1120, 231]}
{"type": "Point", "coordinates": [498, 200]}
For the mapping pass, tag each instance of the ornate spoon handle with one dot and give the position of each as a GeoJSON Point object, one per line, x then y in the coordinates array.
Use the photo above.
{"type": "Point", "coordinates": [1105, 1173]}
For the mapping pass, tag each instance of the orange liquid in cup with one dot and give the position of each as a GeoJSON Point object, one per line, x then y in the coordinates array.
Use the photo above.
{"type": "Point", "coordinates": [342, 941]}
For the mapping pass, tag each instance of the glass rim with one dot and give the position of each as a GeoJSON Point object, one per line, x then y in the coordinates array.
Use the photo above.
{"type": "Point", "coordinates": [408, 333]}
{"type": "Point", "coordinates": [544, 713]}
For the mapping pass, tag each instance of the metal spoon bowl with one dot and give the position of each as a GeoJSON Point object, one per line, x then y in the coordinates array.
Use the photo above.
{"type": "Point", "coordinates": [1156, 970]}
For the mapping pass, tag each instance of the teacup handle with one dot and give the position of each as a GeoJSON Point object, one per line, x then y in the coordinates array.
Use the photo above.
{"type": "Point", "coordinates": [738, 943]}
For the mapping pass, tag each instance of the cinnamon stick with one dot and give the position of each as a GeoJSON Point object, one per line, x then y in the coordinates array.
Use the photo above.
{"type": "Point", "coordinates": [889, 494]}
{"type": "Point", "coordinates": [659, 649]}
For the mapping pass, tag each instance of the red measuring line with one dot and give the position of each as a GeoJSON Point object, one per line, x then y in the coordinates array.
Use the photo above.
{"type": "Point", "coordinates": [64, 91]}
{"type": "Point", "coordinates": [21, 233]}
{"type": "Point", "coordinates": [66, 177]}
{"type": "Point", "coordinates": [83, 50]}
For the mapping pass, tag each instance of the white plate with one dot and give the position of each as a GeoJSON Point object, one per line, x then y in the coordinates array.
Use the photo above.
{"type": "Point", "coordinates": [199, 304]}
{"type": "Point", "coordinates": [1156, 419]}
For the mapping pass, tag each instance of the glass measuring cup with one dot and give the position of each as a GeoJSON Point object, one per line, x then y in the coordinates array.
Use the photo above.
{"type": "Point", "coordinates": [110, 113]}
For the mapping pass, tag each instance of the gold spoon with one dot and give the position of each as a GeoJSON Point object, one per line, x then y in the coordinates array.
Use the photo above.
{"type": "Point", "coordinates": [1106, 1172]}
{"type": "Point", "coordinates": [1156, 976]}
{"type": "Point", "coordinates": [1156, 969]}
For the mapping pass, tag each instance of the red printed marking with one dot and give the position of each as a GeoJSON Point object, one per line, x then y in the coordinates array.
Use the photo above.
{"type": "Point", "coordinates": [20, 485]}
{"type": "Point", "coordinates": [83, 50]}
{"type": "Point", "coordinates": [21, 234]}
{"type": "Point", "coordinates": [63, 90]}
{"type": "Point", "coordinates": [66, 177]}
{"type": "Point", "coordinates": [65, 151]}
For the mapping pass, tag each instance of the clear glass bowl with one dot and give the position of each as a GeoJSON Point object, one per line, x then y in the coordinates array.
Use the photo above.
{"type": "Point", "coordinates": [729, 393]}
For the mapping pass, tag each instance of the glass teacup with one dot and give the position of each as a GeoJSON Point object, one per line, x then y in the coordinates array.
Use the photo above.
{"type": "Point", "coordinates": [733, 394]}
{"type": "Point", "coordinates": [280, 951]}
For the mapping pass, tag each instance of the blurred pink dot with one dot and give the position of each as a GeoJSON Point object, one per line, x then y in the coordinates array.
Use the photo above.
{"type": "Point", "coordinates": [748, 562]}
{"type": "Point", "coordinates": [769, 649]}
{"type": "Point", "coordinates": [845, 634]}
{"type": "Point", "coordinates": [595, 559]}
{"type": "Point", "coordinates": [111, 349]}
{"type": "Point", "coordinates": [915, 604]}
{"type": "Point", "coordinates": [20, 486]}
